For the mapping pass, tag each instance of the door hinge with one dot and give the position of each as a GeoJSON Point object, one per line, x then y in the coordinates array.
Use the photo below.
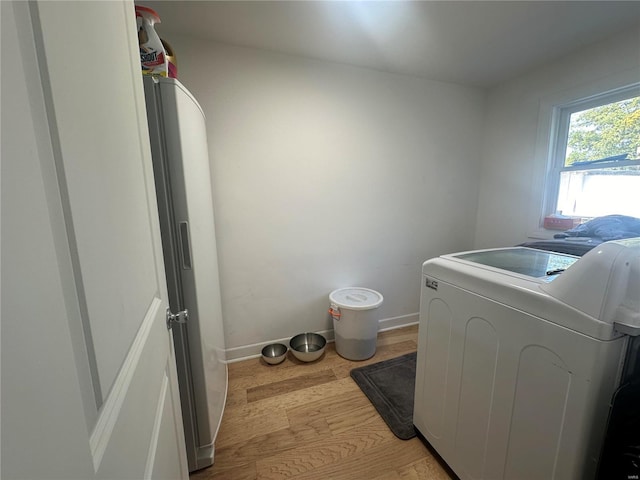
{"type": "Point", "coordinates": [173, 318]}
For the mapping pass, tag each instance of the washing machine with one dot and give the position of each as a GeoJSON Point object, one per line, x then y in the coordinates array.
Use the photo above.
{"type": "Point", "coordinates": [520, 352]}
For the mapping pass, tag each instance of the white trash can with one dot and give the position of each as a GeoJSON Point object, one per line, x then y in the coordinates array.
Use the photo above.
{"type": "Point", "coordinates": [355, 321]}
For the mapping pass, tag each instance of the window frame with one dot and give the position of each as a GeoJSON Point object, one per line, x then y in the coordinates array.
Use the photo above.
{"type": "Point", "coordinates": [560, 123]}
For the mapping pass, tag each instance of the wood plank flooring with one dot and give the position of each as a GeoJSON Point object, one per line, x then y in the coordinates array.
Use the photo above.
{"type": "Point", "coordinates": [310, 421]}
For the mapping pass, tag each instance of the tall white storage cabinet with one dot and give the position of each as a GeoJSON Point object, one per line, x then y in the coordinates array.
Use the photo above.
{"type": "Point", "coordinates": [517, 364]}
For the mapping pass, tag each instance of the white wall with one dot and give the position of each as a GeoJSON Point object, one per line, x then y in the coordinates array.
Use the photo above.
{"type": "Point", "coordinates": [517, 134]}
{"type": "Point", "coordinates": [328, 176]}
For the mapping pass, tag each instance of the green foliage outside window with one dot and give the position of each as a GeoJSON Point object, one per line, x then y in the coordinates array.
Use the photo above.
{"type": "Point", "coordinates": [605, 131]}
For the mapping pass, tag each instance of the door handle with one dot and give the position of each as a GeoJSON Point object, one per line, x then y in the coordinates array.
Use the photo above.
{"type": "Point", "coordinates": [173, 318]}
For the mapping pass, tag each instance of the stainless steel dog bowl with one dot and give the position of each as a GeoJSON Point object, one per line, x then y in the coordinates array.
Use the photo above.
{"type": "Point", "coordinates": [308, 347]}
{"type": "Point", "coordinates": [274, 353]}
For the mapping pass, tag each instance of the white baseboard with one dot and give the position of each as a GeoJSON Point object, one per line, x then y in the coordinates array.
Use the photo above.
{"type": "Point", "coordinates": [398, 322]}
{"type": "Point", "coordinates": [245, 352]}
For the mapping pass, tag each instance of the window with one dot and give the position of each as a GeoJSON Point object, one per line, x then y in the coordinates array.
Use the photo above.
{"type": "Point", "coordinates": [595, 166]}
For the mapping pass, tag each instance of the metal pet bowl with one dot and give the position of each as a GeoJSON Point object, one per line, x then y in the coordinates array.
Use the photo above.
{"type": "Point", "coordinates": [274, 353]}
{"type": "Point", "coordinates": [308, 347]}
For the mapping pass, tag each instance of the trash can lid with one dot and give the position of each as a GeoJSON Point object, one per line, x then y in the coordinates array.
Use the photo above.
{"type": "Point", "coordinates": [356, 298]}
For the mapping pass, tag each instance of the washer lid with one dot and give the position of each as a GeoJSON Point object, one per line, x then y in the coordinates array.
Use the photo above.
{"type": "Point", "coordinates": [356, 298]}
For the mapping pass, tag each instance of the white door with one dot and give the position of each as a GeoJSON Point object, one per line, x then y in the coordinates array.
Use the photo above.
{"type": "Point", "coordinates": [89, 387]}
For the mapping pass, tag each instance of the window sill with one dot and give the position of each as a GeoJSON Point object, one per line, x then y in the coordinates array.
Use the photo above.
{"type": "Point", "coordinates": [542, 234]}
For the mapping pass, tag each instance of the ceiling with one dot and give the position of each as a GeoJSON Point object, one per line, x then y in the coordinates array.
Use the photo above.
{"type": "Point", "coordinates": [478, 43]}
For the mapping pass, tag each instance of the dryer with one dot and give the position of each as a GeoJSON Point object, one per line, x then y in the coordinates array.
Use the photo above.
{"type": "Point", "coordinates": [519, 354]}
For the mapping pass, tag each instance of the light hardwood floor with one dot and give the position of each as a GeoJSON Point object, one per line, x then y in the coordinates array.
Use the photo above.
{"type": "Point", "coordinates": [311, 421]}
